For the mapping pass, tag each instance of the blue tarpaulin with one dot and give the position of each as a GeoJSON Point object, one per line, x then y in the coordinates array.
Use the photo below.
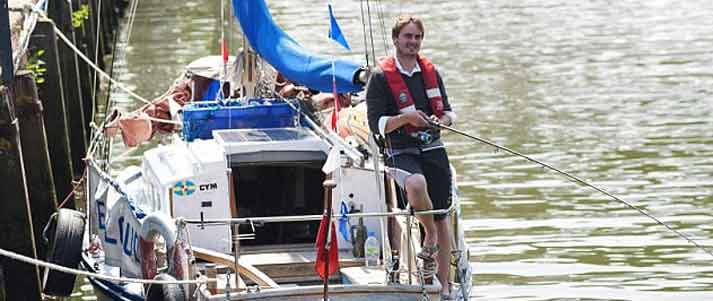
{"type": "Point", "coordinates": [288, 56]}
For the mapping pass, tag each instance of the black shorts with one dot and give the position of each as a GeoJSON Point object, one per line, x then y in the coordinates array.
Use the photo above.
{"type": "Point", "coordinates": [435, 167]}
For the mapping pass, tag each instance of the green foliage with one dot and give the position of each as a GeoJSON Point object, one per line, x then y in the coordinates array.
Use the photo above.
{"type": "Point", "coordinates": [78, 16]}
{"type": "Point", "coordinates": [36, 65]}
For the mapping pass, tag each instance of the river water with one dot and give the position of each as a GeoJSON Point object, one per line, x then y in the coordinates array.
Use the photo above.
{"type": "Point", "coordinates": [619, 93]}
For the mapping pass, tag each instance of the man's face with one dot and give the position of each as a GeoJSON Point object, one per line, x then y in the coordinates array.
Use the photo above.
{"type": "Point", "coordinates": [408, 42]}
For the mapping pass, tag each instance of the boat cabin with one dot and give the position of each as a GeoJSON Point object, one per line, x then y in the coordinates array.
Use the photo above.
{"type": "Point", "coordinates": [269, 172]}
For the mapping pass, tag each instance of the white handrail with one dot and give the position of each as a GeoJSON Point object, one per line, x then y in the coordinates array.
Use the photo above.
{"type": "Point", "coordinates": [313, 217]}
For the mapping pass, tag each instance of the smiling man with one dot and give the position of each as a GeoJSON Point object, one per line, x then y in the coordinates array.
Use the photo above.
{"type": "Point", "coordinates": [401, 98]}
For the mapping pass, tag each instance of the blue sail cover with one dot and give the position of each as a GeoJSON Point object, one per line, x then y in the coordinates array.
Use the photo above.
{"type": "Point", "coordinates": [288, 56]}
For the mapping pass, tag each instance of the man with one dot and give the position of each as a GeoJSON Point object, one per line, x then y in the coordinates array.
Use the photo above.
{"type": "Point", "coordinates": [402, 98]}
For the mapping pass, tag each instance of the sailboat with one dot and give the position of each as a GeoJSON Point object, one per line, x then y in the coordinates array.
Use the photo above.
{"type": "Point", "coordinates": [231, 209]}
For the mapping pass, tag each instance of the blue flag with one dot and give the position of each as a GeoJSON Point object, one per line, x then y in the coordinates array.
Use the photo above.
{"type": "Point", "coordinates": [335, 33]}
{"type": "Point", "coordinates": [344, 221]}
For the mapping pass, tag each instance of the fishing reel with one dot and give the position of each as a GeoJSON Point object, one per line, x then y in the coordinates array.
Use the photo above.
{"type": "Point", "coordinates": [425, 136]}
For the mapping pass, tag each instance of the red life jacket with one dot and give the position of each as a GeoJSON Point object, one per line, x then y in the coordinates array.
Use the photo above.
{"type": "Point", "coordinates": [401, 93]}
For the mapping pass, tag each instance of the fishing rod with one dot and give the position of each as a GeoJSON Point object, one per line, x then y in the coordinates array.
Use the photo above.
{"type": "Point", "coordinates": [573, 178]}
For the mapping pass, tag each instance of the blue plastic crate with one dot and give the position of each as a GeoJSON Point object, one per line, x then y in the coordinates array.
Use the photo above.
{"type": "Point", "coordinates": [201, 118]}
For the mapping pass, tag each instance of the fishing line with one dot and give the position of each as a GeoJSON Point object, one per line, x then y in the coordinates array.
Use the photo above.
{"type": "Point", "coordinates": [575, 179]}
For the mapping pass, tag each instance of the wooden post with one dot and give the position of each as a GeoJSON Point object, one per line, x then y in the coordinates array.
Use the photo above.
{"type": "Point", "coordinates": [82, 36]}
{"type": "Point", "coordinates": [94, 36]}
{"type": "Point", "coordinates": [96, 46]}
{"type": "Point", "coordinates": [51, 93]}
{"type": "Point", "coordinates": [109, 23]}
{"type": "Point", "coordinates": [59, 12]}
{"type": "Point", "coordinates": [16, 226]}
{"type": "Point", "coordinates": [6, 63]}
{"type": "Point", "coordinates": [15, 213]}
{"type": "Point", "coordinates": [3, 296]}
{"type": "Point", "coordinates": [28, 110]}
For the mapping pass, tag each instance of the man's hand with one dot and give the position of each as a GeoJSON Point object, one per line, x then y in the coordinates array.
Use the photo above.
{"type": "Point", "coordinates": [444, 119]}
{"type": "Point", "coordinates": [416, 118]}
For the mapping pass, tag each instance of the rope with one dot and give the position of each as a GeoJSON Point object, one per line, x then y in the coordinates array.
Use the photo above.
{"type": "Point", "coordinates": [330, 136]}
{"type": "Point", "coordinates": [67, 270]}
{"type": "Point", "coordinates": [88, 61]}
{"type": "Point", "coordinates": [74, 190]}
{"type": "Point", "coordinates": [164, 120]}
{"type": "Point", "coordinates": [135, 210]}
{"type": "Point", "coordinates": [101, 72]}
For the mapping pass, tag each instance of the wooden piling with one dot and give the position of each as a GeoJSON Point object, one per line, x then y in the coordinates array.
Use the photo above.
{"type": "Point", "coordinates": [51, 94]}
{"type": "Point", "coordinates": [15, 214]}
{"type": "Point", "coordinates": [108, 25]}
{"type": "Point", "coordinates": [82, 39]}
{"type": "Point", "coordinates": [2, 284]}
{"type": "Point", "coordinates": [60, 13]}
{"type": "Point", "coordinates": [97, 52]}
{"type": "Point", "coordinates": [95, 36]}
{"type": "Point", "coordinates": [38, 178]}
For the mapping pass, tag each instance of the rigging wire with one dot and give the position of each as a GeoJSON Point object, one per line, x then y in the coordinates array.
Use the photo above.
{"type": "Point", "coordinates": [366, 44]}
{"type": "Point", "coordinates": [381, 16]}
{"type": "Point", "coordinates": [106, 147]}
{"type": "Point", "coordinates": [576, 180]}
{"type": "Point", "coordinates": [132, 17]}
{"type": "Point", "coordinates": [371, 32]}
{"type": "Point", "coordinates": [91, 64]}
{"type": "Point", "coordinates": [96, 59]}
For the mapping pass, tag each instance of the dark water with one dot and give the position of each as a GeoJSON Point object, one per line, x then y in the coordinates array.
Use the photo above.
{"type": "Point", "coordinates": [619, 93]}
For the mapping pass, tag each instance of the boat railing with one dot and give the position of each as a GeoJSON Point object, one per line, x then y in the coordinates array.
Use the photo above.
{"type": "Point", "coordinates": [315, 217]}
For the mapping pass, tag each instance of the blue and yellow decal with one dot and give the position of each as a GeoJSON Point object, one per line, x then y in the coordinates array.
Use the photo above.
{"type": "Point", "coordinates": [184, 188]}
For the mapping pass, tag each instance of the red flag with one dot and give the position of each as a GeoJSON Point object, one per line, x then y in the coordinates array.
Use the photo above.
{"type": "Point", "coordinates": [335, 112]}
{"type": "Point", "coordinates": [334, 116]}
{"type": "Point", "coordinates": [224, 50]}
{"type": "Point", "coordinates": [320, 264]}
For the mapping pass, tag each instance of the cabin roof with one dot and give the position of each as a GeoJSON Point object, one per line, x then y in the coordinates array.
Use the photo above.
{"type": "Point", "coordinates": [246, 146]}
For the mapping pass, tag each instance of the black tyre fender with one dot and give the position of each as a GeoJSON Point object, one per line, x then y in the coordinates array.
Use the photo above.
{"type": "Point", "coordinates": [65, 249]}
{"type": "Point", "coordinates": [167, 292]}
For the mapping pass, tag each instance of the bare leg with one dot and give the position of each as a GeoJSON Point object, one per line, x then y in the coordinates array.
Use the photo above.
{"type": "Point", "coordinates": [417, 195]}
{"type": "Point", "coordinates": [444, 254]}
